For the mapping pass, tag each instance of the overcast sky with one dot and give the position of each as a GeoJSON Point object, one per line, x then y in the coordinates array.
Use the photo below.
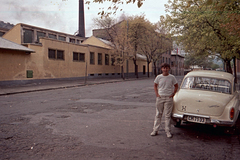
{"type": "Point", "coordinates": [62, 15]}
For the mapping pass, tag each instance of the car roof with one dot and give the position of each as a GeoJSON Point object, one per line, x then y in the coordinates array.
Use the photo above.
{"type": "Point", "coordinates": [213, 74]}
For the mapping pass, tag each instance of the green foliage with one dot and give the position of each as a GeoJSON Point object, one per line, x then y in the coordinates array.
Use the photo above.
{"type": "Point", "coordinates": [215, 66]}
{"type": "Point", "coordinates": [147, 39]}
{"type": "Point", "coordinates": [201, 61]}
{"type": "Point", "coordinates": [198, 25]}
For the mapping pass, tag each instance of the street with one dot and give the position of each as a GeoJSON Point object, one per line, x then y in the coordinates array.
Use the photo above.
{"type": "Point", "coordinates": [110, 121]}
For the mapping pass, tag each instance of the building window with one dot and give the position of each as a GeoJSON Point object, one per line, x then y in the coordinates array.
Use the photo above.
{"type": "Point", "coordinates": [92, 58]}
{"type": "Point", "coordinates": [60, 55]}
{"type": "Point", "coordinates": [169, 61]}
{"type": "Point", "coordinates": [27, 36]}
{"type": "Point", "coordinates": [61, 38]}
{"type": "Point", "coordinates": [78, 41]}
{"type": "Point", "coordinates": [75, 56]}
{"type": "Point", "coordinates": [40, 34]}
{"type": "Point", "coordinates": [72, 40]}
{"type": "Point", "coordinates": [162, 59]}
{"type": "Point", "coordinates": [51, 53]}
{"type": "Point", "coordinates": [106, 59]}
{"type": "Point", "coordinates": [78, 57]}
{"type": "Point", "coordinates": [53, 36]}
{"type": "Point", "coordinates": [99, 58]}
{"type": "Point", "coordinates": [55, 54]}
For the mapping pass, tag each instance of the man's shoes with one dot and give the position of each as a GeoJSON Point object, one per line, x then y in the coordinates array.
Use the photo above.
{"type": "Point", "coordinates": [169, 135]}
{"type": "Point", "coordinates": [154, 133]}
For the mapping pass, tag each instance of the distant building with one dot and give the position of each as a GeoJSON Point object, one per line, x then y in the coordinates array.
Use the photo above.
{"type": "Point", "coordinates": [177, 64]}
{"type": "Point", "coordinates": [238, 66]}
{"type": "Point", "coordinates": [4, 27]}
{"type": "Point", "coordinates": [165, 58]}
{"type": "Point", "coordinates": [178, 49]}
{"type": "Point", "coordinates": [57, 55]}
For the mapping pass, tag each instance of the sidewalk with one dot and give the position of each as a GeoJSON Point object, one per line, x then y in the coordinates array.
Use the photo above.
{"type": "Point", "coordinates": [58, 84]}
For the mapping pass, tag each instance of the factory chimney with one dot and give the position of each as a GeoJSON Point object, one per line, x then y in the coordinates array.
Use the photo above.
{"type": "Point", "coordinates": [81, 22]}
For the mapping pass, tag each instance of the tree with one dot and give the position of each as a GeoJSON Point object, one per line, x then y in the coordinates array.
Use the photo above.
{"type": "Point", "coordinates": [135, 36]}
{"type": "Point", "coordinates": [215, 66]}
{"type": "Point", "coordinates": [230, 9]}
{"type": "Point", "coordinates": [150, 43]}
{"type": "Point", "coordinates": [154, 42]}
{"type": "Point", "coordinates": [112, 9]}
{"type": "Point", "coordinates": [116, 33]}
{"type": "Point", "coordinates": [136, 31]}
{"type": "Point", "coordinates": [197, 60]}
{"type": "Point", "coordinates": [199, 28]}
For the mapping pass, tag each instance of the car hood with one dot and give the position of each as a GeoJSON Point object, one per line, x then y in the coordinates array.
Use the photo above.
{"type": "Point", "coordinates": [201, 102]}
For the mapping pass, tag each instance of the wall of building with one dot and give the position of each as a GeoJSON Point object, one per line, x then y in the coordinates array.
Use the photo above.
{"type": "Point", "coordinates": [16, 63]}
{"type": "Point", "coordinates": [14, 34]}
{"type": "Point", "coordinates": [58, 68]}
{"type": "Point", "coordinates": [104, 69]}
{"type": "Point", "coordinates": [177, 67]}
{"type": "Point", "coordinates": [238, 66]}
{"type": "Point", "coordinates": [13, 65]}
{"type": "Point", "coordinates": [101, 33]}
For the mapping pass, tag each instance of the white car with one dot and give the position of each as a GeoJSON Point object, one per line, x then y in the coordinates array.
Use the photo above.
{"type": "Point", "coordinates": [207, 97]}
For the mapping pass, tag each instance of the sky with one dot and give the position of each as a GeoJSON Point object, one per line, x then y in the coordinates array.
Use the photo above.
{"type": "Point", "coordinates": [62, 15]}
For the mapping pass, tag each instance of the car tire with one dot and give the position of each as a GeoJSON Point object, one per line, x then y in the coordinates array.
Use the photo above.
{"type": "Point", "coordinates": [178, 124]}
{"type": "Point", "coordinates": [237, 125]}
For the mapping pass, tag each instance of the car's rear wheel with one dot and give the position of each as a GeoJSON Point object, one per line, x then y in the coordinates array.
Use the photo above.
{"type": "Point", "coordinates": [178, 123]}
{"type": "Point", "coordinates": [234, 129]}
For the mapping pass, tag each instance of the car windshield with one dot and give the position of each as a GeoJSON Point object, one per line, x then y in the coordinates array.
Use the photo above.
{"type": "Point", "coordinates": [209, 84]}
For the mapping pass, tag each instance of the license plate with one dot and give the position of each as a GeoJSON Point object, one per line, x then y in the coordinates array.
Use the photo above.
{"type": "Point", "coordinates": [196, 119]}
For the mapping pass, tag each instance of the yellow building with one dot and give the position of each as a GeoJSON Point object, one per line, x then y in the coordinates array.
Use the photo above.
{"type": "Point", "coordinates": [58, 55]}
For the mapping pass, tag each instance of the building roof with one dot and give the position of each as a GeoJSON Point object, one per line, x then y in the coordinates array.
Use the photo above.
{"type": "Point", "coordinates": [106, 42]}
{"type": "Point", "coordinates": [174, 54]}
{"type": "Point", "coordinates": [6, 44]}
{"type": "Point", "coordinates": [141, 57]}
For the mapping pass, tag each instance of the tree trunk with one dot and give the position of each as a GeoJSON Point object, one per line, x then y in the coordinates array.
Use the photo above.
{"type": "Point", "coordinates": [155, 69]}
{"type": "Point", "coordinates": [148, 68]}
{"type": "Point", "coordinates": [122, 70]}
{"type": "Point", "coordinates": [136, 67]}
{"type": "Point", "coordinates": [228, 66]}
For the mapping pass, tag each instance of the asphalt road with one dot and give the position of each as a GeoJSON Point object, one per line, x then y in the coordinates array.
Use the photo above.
{"type": "Point", "coordinates": [111, 121]}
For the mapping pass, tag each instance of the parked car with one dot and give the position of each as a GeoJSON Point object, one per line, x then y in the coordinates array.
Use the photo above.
{"type": "Point", "coordinates": [207, 97]}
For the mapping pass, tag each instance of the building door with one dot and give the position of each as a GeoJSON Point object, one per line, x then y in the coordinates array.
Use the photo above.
{"type": "Point", "coordinates": [144, 69]}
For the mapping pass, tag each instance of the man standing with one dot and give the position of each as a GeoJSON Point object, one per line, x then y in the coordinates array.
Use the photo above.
{"type": "Point", "coordinates": [165, 87]}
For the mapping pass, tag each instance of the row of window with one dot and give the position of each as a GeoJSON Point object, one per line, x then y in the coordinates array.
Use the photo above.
{"type": "Point", "coordinates": [168, 60]}
{"type": "Point", "coordinates": [78, 57]}
{"type": "Point", "coordinates": [28, 36]}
